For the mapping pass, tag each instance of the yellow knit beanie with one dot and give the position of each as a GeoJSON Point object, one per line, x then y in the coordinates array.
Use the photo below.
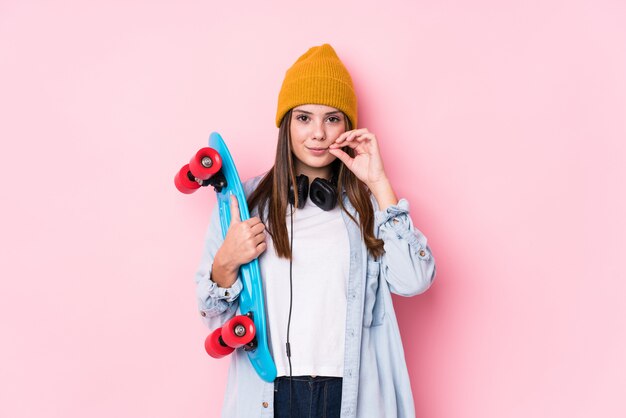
{"type": "Point", "coordinates": [318, 77]}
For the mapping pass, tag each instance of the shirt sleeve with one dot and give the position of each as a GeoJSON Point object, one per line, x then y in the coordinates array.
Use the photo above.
{"type": "Point", "coordinates": [215, 304]}
{"type": "Point", "coordinates": [408, 264]}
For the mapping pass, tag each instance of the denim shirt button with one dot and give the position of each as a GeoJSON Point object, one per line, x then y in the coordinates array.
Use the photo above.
{"type": "Point", "coordinates": [202, 313]}
{"type": "Point", "coordinates": [265, 404]}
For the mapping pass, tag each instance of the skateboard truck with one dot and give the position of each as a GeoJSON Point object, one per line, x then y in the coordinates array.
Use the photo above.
{"type": "Point", "coordinates": [252, 345]}
{"type": "Point", "coordinates": [218, 181]}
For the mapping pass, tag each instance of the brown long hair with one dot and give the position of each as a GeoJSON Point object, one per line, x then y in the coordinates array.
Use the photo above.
{"type": "Point", "coordinates": [274, 187]}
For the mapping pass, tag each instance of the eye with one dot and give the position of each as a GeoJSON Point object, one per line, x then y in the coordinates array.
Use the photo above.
{"type": "Point", "coordinates": [334, 119]}
{"type": "Point", "coordinates": [302, 118]}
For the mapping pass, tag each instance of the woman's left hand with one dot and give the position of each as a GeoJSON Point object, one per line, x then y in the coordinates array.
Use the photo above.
{"type": "Point", "coordinates": [367, 164]}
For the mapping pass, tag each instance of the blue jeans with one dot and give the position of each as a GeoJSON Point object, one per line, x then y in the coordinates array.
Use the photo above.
{"type": "Point", "coordinates": [311, 397]}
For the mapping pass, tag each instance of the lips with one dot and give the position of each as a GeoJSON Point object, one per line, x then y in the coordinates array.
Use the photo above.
{"type": "Point", "coordinates": [318, 151]}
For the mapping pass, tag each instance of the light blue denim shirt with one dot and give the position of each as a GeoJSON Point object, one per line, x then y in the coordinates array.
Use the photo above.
{"type": "Point", "coordinates": [375, 379]}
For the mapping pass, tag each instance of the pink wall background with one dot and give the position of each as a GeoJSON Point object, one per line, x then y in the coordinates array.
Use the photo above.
{"type": "Point", "coordinates": [503, 123]}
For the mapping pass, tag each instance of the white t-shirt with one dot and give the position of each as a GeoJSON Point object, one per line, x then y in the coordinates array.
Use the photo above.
{"type": "Point", "coordinates": [321, 257]}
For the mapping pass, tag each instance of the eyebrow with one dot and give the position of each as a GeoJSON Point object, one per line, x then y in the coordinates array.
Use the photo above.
{"type": "Point", "coordinates": [310, 113]}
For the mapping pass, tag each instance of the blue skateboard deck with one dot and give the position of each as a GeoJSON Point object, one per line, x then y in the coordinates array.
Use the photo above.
{"type": "Point", "coordinates": [251, 300]}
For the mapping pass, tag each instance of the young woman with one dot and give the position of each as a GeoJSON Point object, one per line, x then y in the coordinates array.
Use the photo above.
{"type": "Point", "coordinates": [330, 259]}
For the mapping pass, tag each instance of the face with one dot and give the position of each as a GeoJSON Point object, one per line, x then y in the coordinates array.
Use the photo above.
{"type": "Point", "coordinates": [313, 128]}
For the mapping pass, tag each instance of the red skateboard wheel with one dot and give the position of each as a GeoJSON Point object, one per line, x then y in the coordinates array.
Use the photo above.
{"type": "Point", "coordinates": [214, 345]}
{"type": "Point", "coordinates": [205, 163]}
{"type": "Point", "coordinates": [183, 183]}
{"type": "Point", "coordinates": [238, 331]}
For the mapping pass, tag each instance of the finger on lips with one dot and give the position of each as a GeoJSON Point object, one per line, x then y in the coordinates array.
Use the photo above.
{"type": "Point", "coordinates": [355, 135]}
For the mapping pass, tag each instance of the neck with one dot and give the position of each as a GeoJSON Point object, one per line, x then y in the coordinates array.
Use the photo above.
{"type": "Point", "coordinates": [312, 172]}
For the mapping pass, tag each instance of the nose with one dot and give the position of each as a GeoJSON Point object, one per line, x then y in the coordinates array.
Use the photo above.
{"type": "Point", "coordinates": [318, 131]}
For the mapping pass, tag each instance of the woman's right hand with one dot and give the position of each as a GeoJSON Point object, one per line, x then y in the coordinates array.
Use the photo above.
{"type": "Point", "coordinates": [244, 241]}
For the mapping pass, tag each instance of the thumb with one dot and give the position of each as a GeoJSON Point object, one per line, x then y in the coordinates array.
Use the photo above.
{"type": "Point", "coordinates": [234, 210]}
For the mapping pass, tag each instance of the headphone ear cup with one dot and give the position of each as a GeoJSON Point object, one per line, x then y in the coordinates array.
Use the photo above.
{"type": "Point", "coordinates": [323, 194]}
{"type": "Point", "coordinates": [302, 184]}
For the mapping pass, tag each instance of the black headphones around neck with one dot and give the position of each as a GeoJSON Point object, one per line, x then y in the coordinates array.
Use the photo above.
{"type": "Point", "coordinates": [323, 192]}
